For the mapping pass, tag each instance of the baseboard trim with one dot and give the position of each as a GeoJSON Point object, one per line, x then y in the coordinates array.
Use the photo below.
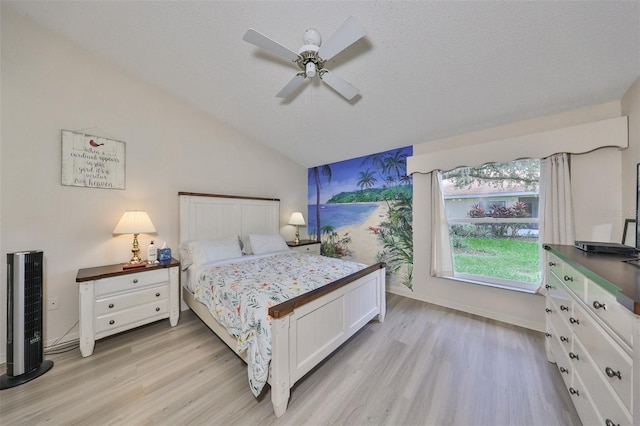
{"type": "Point", "coordinates": [475, 310]}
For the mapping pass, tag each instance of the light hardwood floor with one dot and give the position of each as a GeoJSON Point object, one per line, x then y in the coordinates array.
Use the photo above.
{"type": "Point", "coordinates": [425, 365]}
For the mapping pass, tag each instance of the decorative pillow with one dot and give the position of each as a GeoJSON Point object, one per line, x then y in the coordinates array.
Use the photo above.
{"type": "Point", "coordinates": [203, 251]}
{"type": "Point", "coordinates": [186, 259]}
{"type": "Point", "coordinates": [245, 245]}
{"type": "Point", "coordinates": [267, 243]}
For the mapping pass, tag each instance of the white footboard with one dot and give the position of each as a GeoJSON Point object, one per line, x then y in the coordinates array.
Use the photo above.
{"type": "Point", "coordinates": [304, 337]}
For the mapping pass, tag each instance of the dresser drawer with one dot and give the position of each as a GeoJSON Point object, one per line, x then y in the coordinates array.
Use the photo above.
{"type": "Point", "coordinates": [574, 280]}
{"type": "Point", "coordinates": [611, 360]}
{"type": "Point", "coordinates": [131, 281]}
{"type": "Point", "coordinates": [555, 265]}
{"type": "Point", "coordinates": [128, 316]}
{"type": "Point", "coordinates": [583, 402]}
{"type": "Point", "coordinates": [560, 353]}
{"type": "Point", "coordinates": [607, 308]}
{"type": "Point", "coordinates": [124, 301]}
{"type": "Point", "coordinates": [557, 291]}
{"type": "Point", "coordinates": [561, 326]}
{"type": "Point", "coordinates": [609, 404]}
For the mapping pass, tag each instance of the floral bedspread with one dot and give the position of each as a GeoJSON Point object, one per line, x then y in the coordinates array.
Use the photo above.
{"type": "Point", "coordinates": [240, 294]}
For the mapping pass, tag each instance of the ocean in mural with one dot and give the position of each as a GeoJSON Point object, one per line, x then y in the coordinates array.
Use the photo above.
{"type": "Point", "coordinates": [341, 215]}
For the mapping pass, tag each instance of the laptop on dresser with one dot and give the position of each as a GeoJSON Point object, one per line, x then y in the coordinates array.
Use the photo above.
{"type": "Point", "coordinates": [605, 248]}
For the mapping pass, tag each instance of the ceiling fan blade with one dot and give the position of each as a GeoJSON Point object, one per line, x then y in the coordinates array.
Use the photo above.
{"type": "Point", "coordinates": [291, 86]}
{"type": "Point", "coordinates": [344, 88]}
{"type": "Point", "coordinates": [261, 40]}
{"type": "Point", "coordinates": [348, 33]}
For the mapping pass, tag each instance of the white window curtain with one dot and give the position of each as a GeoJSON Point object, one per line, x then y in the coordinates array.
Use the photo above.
{"type": "Point", "coordinates": [441, 258]}
{"type": "Point", "coordinates": [556, 219]}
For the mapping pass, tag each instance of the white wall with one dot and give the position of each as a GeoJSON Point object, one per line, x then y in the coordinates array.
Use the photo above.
{"type": "Point", "coordinates": [598, 190]}
{"type": "Point", "coordinates": [49, 84]}
{"type": "Point", "coordinates": [630, 159]}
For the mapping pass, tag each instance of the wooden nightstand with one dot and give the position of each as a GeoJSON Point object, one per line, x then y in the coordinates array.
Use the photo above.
{"type": "Point", "coordinates": [306, 246]}
{"type": "Point", "coordinates": [113, 300]}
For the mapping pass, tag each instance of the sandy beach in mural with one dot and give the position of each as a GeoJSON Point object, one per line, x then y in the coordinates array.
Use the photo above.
{"type": "Point", "coordinates": [365, 243]}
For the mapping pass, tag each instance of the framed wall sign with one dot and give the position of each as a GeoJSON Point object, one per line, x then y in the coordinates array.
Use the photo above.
{"type": "Point", "coordinates": [92, 161]}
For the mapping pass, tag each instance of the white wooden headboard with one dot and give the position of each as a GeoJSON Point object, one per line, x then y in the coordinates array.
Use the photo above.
{"type": "Point", "coordinates": [207, 216]}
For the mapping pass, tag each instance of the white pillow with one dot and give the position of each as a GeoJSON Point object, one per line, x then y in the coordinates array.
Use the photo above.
{"type": "Point", "coordinates": [267, 243]}
{"type": "Point", "coordinates": [203, 251]}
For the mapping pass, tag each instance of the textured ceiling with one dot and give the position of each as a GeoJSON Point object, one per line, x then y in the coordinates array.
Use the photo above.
{"type": "Point", "coordinates": [425, 70]}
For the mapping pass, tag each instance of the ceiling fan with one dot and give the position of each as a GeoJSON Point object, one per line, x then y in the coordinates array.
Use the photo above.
{"type": "Point", "coordinates": [313, 55]}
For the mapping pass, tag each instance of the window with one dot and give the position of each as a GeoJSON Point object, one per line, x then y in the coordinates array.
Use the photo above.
{"type": "Point", "coordinates": [492, 214]}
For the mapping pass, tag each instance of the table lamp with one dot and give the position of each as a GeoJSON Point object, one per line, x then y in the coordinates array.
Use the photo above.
{"type": "Point", "coordinates": [135, 222]}
{"type": "Point", "coordinates": [298, 220]}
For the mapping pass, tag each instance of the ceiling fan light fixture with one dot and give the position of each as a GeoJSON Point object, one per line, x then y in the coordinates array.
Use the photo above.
{"type": "Point", "coordinates": [312, 36]}
{"type": "Point", "coordinates": [310, 69]}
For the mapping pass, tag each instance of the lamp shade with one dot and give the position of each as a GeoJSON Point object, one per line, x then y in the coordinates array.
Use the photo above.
{"type": "Point", "coordinates": [296, 219]}
{"type": "Point", "coordinates": [134, 222]}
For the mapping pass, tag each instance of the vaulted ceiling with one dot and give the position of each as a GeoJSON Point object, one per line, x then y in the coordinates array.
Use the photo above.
{"type": "Point", "coordinates": [425, 70]}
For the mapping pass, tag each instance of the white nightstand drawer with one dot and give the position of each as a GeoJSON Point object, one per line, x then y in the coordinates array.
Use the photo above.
{"type": "Point", "coordinates": [308, 248]}
{"type": "Point", "coordinates": [132, 315]}
{"type": "Point", "coordinates": [124, 301]}
{"type": "Point", "coordinates": [131, 281]}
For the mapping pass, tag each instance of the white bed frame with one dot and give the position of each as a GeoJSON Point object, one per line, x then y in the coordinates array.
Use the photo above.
{"type": "Point", "coordinates": [305, 330]}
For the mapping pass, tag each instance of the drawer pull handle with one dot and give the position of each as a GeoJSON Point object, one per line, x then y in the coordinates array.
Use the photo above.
{"type": "Point", "coordinates": [157, 294]}
{"type": "Point", "coordinates": [574, 356]}
{"type": "Point", "coordinates": [135, 281]}
{"type": "Point", "coordinates": [611, 373]}
{"type": "Point", "coordinates": [564, 308]}
{"type": "Point", "coordinates": [157, 309]}
{"type": "Point", "coordinates": [548, 310]}
{"type": "Point", "coordinates": [111, 305]}
{"type": "Point", "coordinates": [572, 320]}
{"type": "Point", "coordinates": [553, 264]}
{"type": "Point", "coordinates": [599, 305]}
{"type": "Point", "coordinates": [112, 322]}
{"type": "Point", "coordinates": [573, 391]}
{"type": "Point", "coordinates": [547, 334]}
{"type": "Point", "coordinates": [568, 278]}
{"type": "Point", "coordinates": [610, 422]}
{"type": "Point", "coordinates": [564, 339]}
{"type": "Point", "coordinates": [564, 370]}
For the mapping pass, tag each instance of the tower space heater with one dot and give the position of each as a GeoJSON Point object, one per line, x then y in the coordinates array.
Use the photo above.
{"type": "Point", "coordinates": [25, 313]}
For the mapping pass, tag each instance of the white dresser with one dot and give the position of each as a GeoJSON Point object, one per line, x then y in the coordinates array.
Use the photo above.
{"type": "Point", "coordinates": [113, 299]}
{"type": "Point", "coordinates": [593, 332]}
{"type": "Point", "coordinates": [305, 246]}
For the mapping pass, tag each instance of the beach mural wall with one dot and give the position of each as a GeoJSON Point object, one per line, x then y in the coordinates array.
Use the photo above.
{"type": "Point", "coordinates": [362, 210]}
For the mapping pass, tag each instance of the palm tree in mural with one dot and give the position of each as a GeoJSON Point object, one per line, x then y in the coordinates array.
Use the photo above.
{"type": "Point", "coordinates": [395, 165]}
{"type": "Point", "coordinates": [366, 180]}
{"type": "Point", "coordinates": [405, 179]}
{"type": "Point", "coordinates": [315, 173]}
{"type": "Point", "coordinates": [377, 161]}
